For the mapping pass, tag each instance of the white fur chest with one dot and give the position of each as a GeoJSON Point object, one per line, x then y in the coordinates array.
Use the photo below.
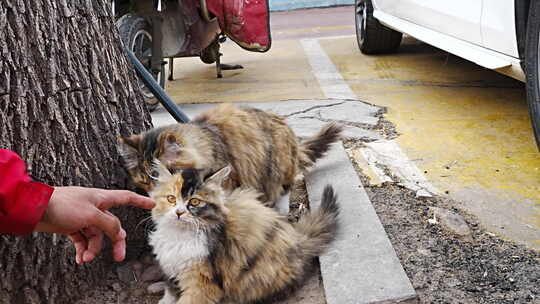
{"type": "Point", "coordinates": [176, 249]}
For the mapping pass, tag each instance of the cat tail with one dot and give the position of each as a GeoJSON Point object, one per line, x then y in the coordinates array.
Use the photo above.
{"type": "Point", "coordinates": [316, 146]}
{"type": "Point", "coordinates": [319, 227]}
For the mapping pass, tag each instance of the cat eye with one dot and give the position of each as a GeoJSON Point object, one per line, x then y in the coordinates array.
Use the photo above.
{"type": "Point", "coordinates": [194, 202]}
{"type": "Point", "coordinates": [171, 199]}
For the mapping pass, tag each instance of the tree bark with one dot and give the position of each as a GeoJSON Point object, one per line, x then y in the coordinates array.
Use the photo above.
{"type": "Point", "coordinates": [66, 93]}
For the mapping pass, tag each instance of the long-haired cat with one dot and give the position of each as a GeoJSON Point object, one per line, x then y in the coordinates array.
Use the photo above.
{"type": "Point", "coordinates": [218, 246]}
{"type": "Point", "coordinates": [261, 148]}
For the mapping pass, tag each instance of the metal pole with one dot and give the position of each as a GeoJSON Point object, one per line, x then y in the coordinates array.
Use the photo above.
{"type": "Point", "coordinates": [154, 87]}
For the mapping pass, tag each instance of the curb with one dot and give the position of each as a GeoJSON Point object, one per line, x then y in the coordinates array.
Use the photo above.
{"type": "Point", "coordinates": [361, 266]}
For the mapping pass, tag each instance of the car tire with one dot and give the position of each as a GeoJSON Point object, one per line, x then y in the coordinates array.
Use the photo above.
{"type": "Point", "coordinates": [371, 35]}
{"type": "Point", "coordinates": [131, 28]}
{"type": "Point", "coordinates": [532, 69]}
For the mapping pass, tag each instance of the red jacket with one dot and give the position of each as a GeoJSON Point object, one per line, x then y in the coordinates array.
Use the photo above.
{"type": "Point", "coordinates": [22, 201]}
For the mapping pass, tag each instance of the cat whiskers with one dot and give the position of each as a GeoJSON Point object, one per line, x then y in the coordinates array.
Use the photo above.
{"type": "Point", "coordinates": [145, 220]}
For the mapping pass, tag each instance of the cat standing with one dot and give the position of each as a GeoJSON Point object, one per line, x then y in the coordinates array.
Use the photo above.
{"type": "Point", "coordinates": [262, 149]}
{"type": "Point", "coordinates": [219, 246]}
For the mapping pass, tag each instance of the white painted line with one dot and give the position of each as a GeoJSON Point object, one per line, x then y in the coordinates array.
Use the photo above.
{"type": "Point", "coordinates": [388, 153]}
{"type": "Point", "coordinates": [330, 80]}
{"type": "Point", "coordinates": [376, 175]}
{"type": "Point", "coordinates": [334, 86]}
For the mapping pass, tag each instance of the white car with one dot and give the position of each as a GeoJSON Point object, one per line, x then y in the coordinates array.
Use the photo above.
{"type": "Point", "coordinates": [502, 35]}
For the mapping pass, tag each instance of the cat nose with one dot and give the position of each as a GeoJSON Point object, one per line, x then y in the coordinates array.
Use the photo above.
{"type": "Point", "coordinates": [179, 213]}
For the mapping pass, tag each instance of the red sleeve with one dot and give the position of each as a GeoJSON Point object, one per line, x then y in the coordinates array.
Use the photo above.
{"type": "Point", "coordinates": [22, 201]}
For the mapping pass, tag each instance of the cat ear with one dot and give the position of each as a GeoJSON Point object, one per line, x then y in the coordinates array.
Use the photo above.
{"type": "Point", "coordinates": [220, 176]}
{"type": "Point", "coordinates": [171, 148]}
{"type": "Point", "coordinates": [159, 171]}
{"type": "Point", "coordinates": [128, 149]}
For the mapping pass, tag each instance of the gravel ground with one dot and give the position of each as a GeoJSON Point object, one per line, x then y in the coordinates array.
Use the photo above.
{"type": "Point", "coordinates": [447, 267]}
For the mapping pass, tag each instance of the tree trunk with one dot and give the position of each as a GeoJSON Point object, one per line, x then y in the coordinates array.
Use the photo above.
{"type": "Point", "coordinates": [66, 93]}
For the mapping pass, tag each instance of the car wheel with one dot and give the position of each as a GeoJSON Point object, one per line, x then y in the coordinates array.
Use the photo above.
{"type": "Point", "coordinates": [371, 35]}
{"type": "Point", "coordinates": [135, 33]}
{"type": "Point", "coordinates": [532, 68]}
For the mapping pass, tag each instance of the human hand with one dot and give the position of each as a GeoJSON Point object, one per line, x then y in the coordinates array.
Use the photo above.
{"type": "Point", "coordinates": [82, 214]}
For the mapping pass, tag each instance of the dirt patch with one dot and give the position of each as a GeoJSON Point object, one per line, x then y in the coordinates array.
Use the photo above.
{"type": "Point", "coordinates": [136, 282]}
{"type": "Point", "coordinates": [124, 284]}
{"type": "Point", "coordinates": [447, 268]}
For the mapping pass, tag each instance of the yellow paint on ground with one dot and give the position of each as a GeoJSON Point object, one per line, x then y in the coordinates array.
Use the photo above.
{"type": "Point", "coordinates": [465, 126]}
{"type": "Point", "coordinates": [283, 73]}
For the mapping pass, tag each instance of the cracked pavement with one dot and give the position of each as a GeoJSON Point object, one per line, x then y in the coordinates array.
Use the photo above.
{"type": "Point", "coordinates": [306, 117]}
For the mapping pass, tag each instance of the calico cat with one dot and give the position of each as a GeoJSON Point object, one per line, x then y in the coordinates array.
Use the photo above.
{"type": "Point", "coordinates": [218, 246]}
{"type": "Point", "coordinates": [261, 148]}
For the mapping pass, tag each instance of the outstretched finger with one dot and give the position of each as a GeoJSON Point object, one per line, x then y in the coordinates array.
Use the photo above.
{"type": "Point", "coordinates": [113, 198]}
{"type": "Point", "coordinates": [80, 243]}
